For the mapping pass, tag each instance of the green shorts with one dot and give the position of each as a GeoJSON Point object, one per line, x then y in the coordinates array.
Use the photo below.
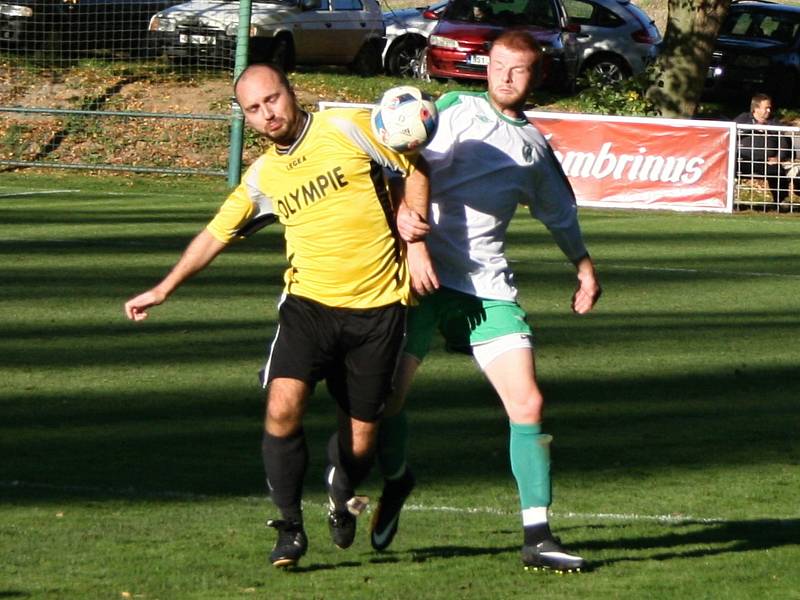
{"type": "Point", "coordinates": [463, 320]}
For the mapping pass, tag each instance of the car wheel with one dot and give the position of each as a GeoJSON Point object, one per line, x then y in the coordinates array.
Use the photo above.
{"type": "Point", "coordinates": [368, 60]}
{"type": "Point", "coordinates": [404, 57]}
{"type": "Point", "coordinates": [608, 69]}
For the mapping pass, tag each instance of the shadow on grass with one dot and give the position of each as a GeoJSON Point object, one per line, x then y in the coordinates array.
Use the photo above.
{"type": "Point", "coordinates": [435, 552]}
{"type": "Point", "coordinates": [98, 407]}
{"type": "Point", "coordinates": [688, 539]}
{"type": "Point", "coordinates": [691, 539]}
{"type": "Point", "coordinates": [155, 443]}
{"type": "Point", "coordinates": [324, 567]}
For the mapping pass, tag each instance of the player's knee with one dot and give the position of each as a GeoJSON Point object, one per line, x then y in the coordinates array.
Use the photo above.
{"type": "Point", "coordinates": [285, 407]}
{"type": "Point", "coordinates": [282, 418]}
{"type": "Point", "coordinates": [526, 409]}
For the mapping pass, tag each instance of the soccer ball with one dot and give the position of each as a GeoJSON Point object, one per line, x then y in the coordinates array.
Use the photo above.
{"type": "Point", "coordinates": [405, 119]}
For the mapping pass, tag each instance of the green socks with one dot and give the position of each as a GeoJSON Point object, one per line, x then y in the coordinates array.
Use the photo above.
{"type": "Point", "coordinates": [530, 464]}
{"type": "Point", "coordinates": [393, 445]}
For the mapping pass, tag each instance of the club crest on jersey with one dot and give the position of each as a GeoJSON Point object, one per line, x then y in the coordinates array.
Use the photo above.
{"type": "Point", "coordinates": [527, 153]}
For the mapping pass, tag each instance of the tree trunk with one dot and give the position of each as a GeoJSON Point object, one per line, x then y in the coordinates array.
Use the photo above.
{"type": "Point", "coordinates": [692, 27]}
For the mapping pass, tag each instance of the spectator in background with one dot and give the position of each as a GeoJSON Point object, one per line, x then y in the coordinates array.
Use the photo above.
{"type": "Point", "coordinates": [481, 12]}
{"type": "Point", "coordinates": [760, 153]}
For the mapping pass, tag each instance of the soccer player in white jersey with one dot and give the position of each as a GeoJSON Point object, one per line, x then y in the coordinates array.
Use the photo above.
{"type": "Point", "coordinates": [484, 161]}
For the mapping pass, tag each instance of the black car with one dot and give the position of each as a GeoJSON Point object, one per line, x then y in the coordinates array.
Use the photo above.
{"type": "Point", "coordinates": [758, 50]}
{"type": "Point", "coordinates": [53, 26]}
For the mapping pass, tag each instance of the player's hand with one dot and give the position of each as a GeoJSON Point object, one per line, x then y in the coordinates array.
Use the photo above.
{"type": "Point", "coordinates": [410, 225]}
{"type": "Point", "coordinates": [136, 308]}
{"type": "Point", "coordinates": [588, 291]}
{"type": "Point", "coordinates": [423, 276]}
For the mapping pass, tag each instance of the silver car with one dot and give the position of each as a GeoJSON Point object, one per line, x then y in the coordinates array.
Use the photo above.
{"type": "Point", "coordinates": [407, 31]}
{"type": "Point", "coordinates": [287, 32]}
{"type": "Point", "coordinates": [617, 39]}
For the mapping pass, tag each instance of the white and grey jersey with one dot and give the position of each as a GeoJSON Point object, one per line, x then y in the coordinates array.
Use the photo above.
{"type": "Point", "coordinates": [483, 165]}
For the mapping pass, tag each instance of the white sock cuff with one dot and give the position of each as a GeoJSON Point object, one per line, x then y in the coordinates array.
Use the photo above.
{"type": "Point", "coordinates": [534, 515]}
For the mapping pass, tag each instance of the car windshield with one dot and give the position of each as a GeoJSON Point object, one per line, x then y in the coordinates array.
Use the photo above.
{"type": "Point", "coordinates": [505, 13]}
{"type": "Point", "coordinates": [774, 26]}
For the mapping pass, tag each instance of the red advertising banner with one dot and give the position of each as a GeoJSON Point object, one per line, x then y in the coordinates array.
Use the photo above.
{"type": "Point", "coordinates": [643, 163]}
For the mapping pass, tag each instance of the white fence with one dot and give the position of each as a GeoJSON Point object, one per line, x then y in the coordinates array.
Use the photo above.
{"type": "Point", "coordinates": [768, 168]}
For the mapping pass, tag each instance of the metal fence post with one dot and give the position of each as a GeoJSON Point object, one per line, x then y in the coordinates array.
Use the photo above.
{"type": "Point", "coordinates": [237, 118]}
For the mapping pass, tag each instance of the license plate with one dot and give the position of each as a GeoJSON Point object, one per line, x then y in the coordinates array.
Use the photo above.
{"type": "Point", "coordinates": [478, 59]}
{"type": "Point", "coordinates": [200, 40]}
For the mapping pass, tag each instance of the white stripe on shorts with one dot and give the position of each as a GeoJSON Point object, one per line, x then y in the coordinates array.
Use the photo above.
{"type": "Point", "coordinates": [265, 371]}
{"type": "Point", "coordinates": [486, 352]}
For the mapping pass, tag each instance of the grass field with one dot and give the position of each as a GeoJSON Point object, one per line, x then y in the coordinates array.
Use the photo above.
{"type": "Point", "coordinates": [131, 452]}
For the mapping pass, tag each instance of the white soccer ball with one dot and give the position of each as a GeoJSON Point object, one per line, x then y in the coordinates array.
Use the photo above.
{"type": "Point", "coordinates": [405, 119]}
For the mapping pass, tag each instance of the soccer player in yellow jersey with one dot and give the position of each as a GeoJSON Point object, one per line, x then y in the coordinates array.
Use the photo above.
{"type": "Point", "coordinates": [341, 316]}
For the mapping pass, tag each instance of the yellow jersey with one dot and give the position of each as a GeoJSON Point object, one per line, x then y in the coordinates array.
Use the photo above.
{"type": "Point", "coordinates": [329, 191]}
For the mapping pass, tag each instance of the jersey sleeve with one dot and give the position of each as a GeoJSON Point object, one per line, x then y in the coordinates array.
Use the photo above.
{"type": "Point", "coordinates": [555, 206]}
{"type": "Point", "coordinates": [355, 125]}
{"type": "Point", "coordinates": [245, 210]}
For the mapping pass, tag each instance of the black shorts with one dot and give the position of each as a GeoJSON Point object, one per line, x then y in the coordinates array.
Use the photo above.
{"type": "Point", "coordinates": [354, 350]}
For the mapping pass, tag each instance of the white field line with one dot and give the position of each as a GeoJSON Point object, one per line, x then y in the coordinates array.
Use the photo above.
{"type": "Point", "coordinates": [422, 508]}
{"type": "Point", "coordinates": [704, 271]}
{"type": "Point", "coordinates": [14, 194]}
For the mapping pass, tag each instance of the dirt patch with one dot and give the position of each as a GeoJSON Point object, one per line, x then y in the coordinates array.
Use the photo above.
{"type": "Point", "coordinates": [150, 141]}
{"type": "Point", "coordinates": [110, 137]}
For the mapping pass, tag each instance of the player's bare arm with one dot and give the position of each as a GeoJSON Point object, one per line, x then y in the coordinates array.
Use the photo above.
{"type": "Point", "coordinates": [414, 206]}
{"type": "Point", "coordinates": [198, 255]}
{"type": "Point", "coordinates": [412, 213]}
{"type": "Point", "coordinates": [588, 291]}
{"type": "Point", "coordinates": [423, 276]}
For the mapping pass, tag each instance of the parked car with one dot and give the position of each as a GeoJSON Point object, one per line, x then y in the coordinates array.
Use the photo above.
{"type": "Point", "coordinates": [407, 31]}
{"type": "Point", "coordinates": [758, 50]}
{"type": "Point", "coordinates": [287, 32]}
{"type": "Point", "coordinates": [459, 45]}
{"type": "Point", "coordinates": [616, 39]}
{"type": "Point", "coordinates": [78, 25]}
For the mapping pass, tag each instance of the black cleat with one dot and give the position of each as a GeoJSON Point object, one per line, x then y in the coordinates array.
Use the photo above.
{"type": "Point", "coordinates": [291, 545]}
{"type": "Point", "coordinates": [342, 523]}
{"type": "Point", "coordinates": [548, 554]}
{"type": "Point", "coordinates": [386, 517]}
{"type": "Point", "coordinates": [342, 519]}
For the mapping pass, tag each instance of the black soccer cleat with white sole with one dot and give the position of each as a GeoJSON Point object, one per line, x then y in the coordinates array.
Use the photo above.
{"type": "Point", "coordinates": [387, 514]}
{"type": "Point", "coordinates": [548, 554]}
{"type": "Point", "coordinates": [292, 543]}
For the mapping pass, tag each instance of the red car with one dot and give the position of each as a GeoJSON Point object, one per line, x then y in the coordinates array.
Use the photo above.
{"type": "Point", "coordinates": [458, 47]}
